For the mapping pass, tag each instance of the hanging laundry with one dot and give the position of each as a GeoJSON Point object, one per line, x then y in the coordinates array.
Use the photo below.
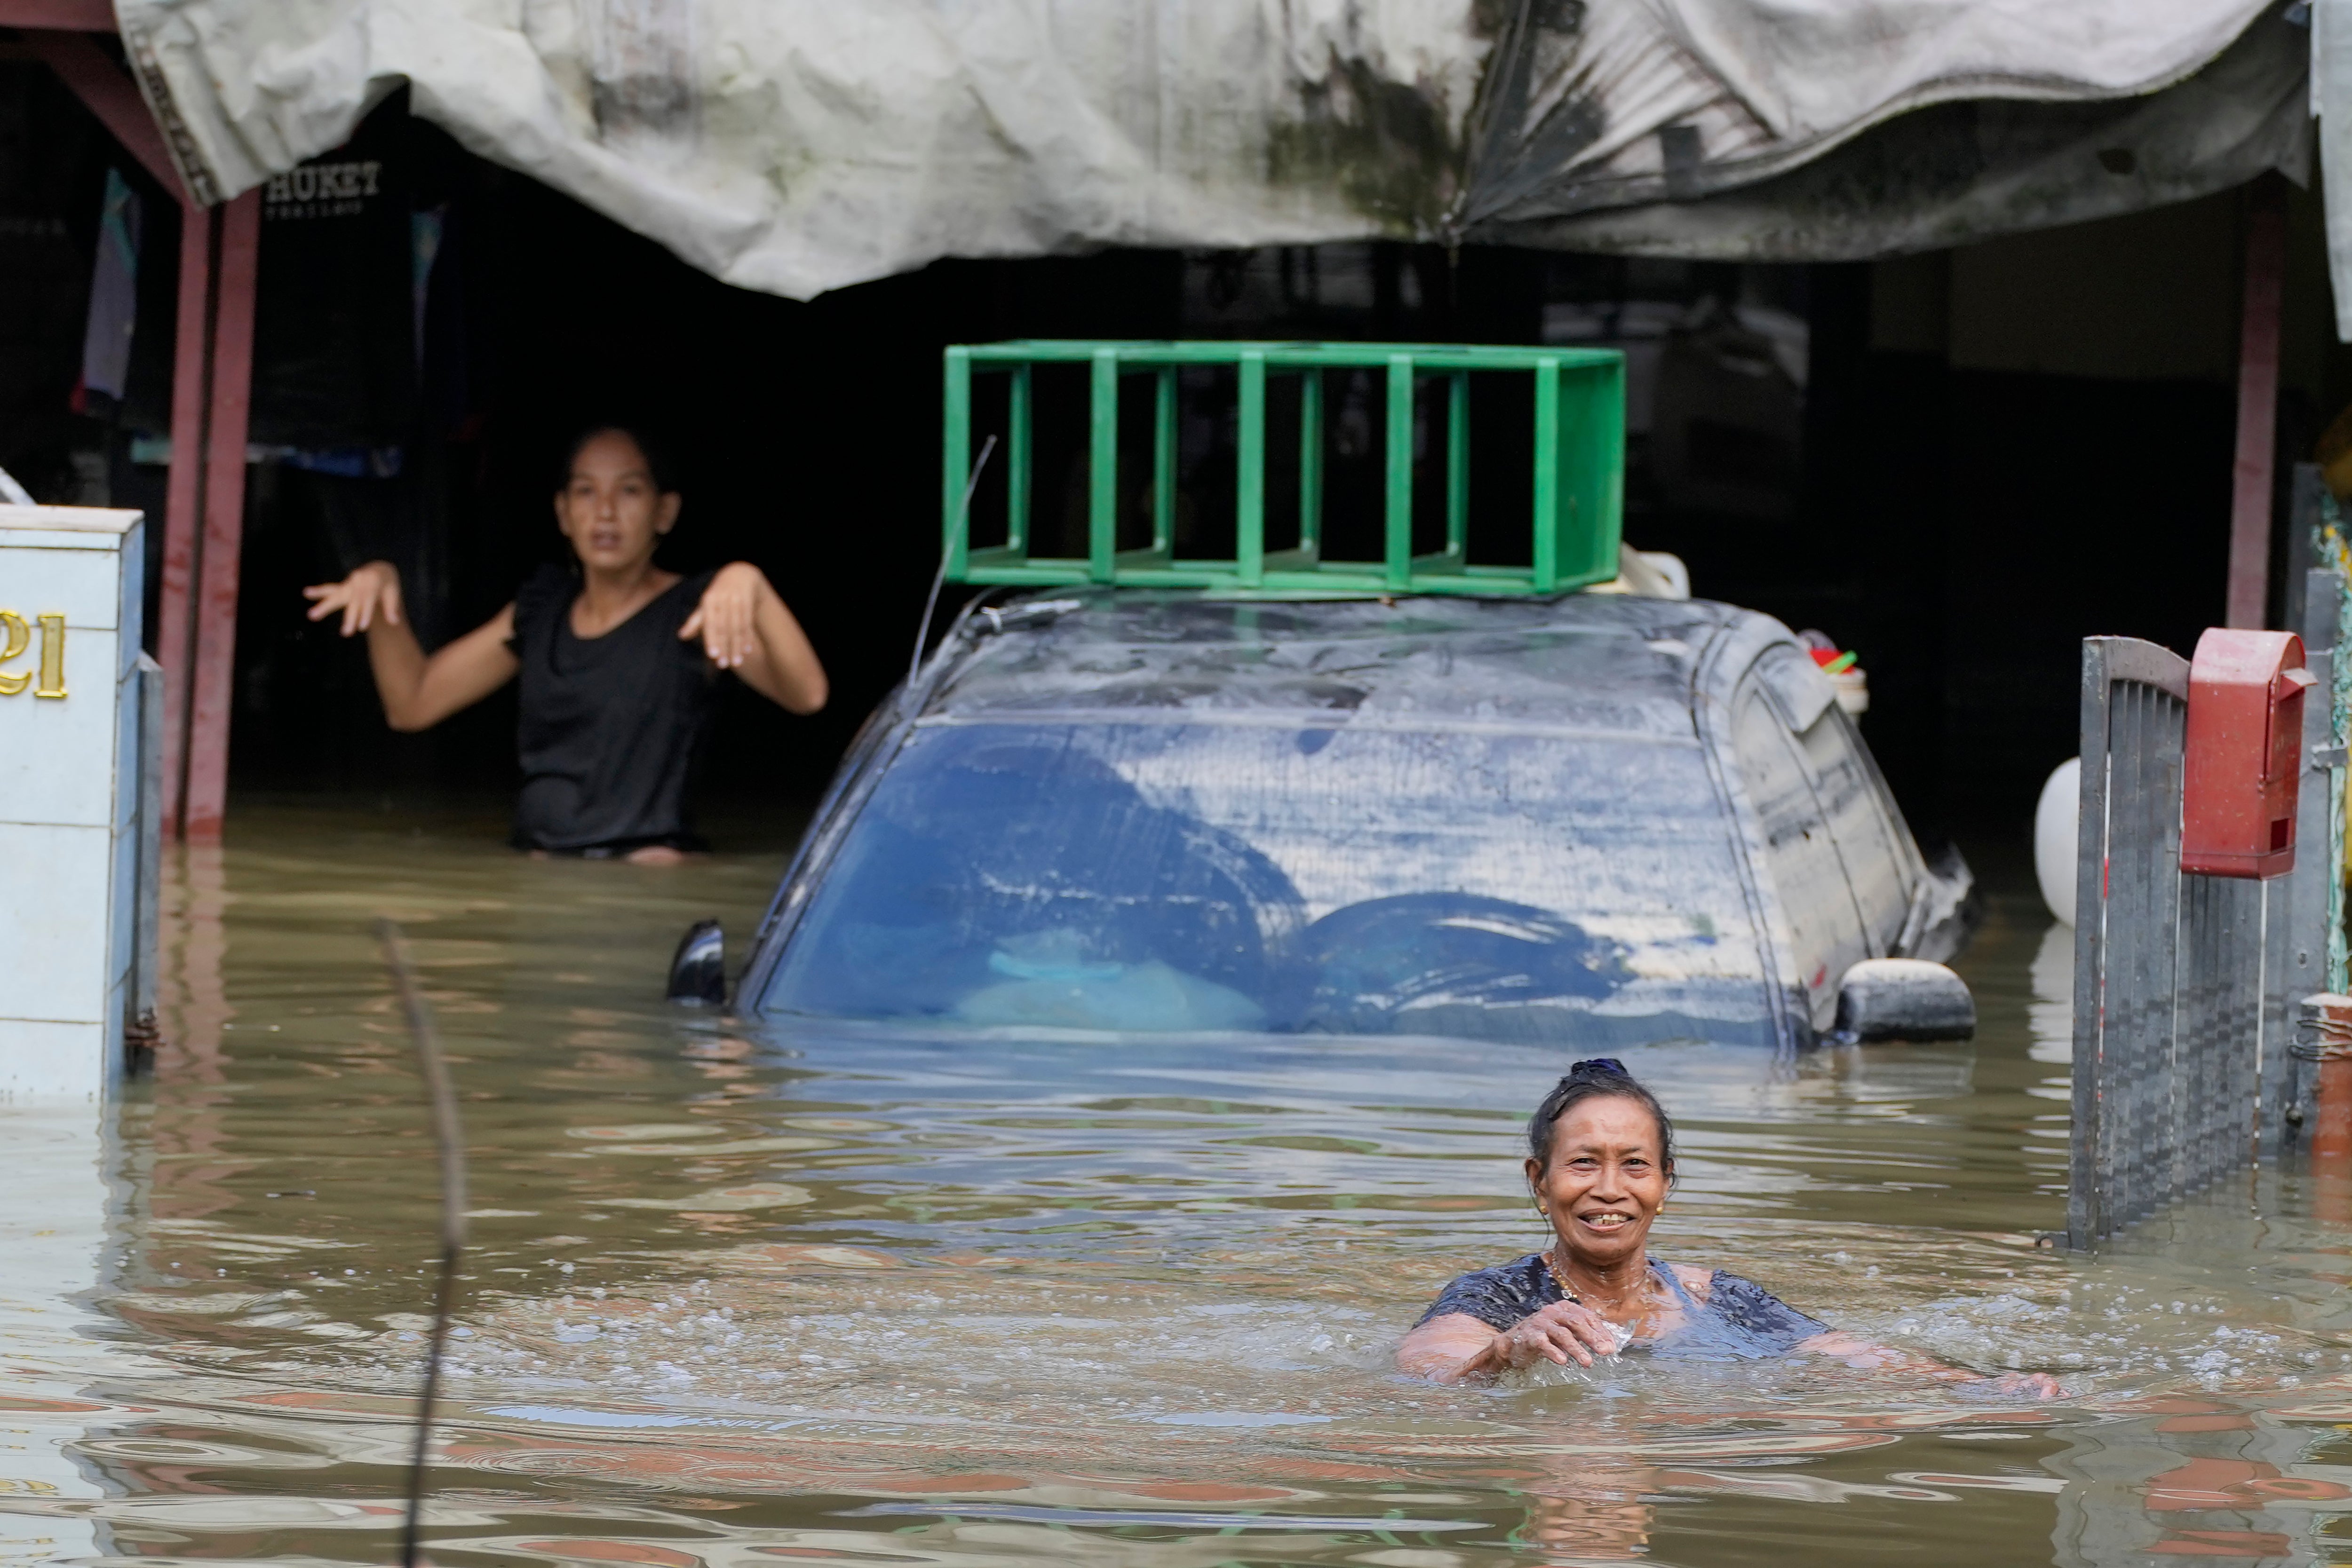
{"type": "Point", "coordinates": [424, 231]}
{"type": "Point", "coordinates": [113, 296]}
{"type": "Point", "coordinates": [334, 359]}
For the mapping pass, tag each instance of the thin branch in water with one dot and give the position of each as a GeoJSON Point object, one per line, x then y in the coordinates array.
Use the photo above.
{"type": "Point", "coordinates": [450, 1141]}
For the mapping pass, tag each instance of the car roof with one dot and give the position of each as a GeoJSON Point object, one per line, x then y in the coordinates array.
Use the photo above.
{"type": "Point", "coordinates": [1607, 663]}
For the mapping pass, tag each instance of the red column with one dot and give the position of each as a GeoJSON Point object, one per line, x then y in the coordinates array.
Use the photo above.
{"type": "Point", "coordinates": [211, 682]}
{"type": "Point", "coordinates": [2331, 1129]}
{"type": "Point", "coordinates": [75, 15]}
{"type": "Point", "coordinates": [183, 498]}
{"type": "Point", "coordinates": [104, 88]}
{"type": "Point", "coordinates": [2258, 376]}
{"type": "Point", "coordinates": [108, 93]}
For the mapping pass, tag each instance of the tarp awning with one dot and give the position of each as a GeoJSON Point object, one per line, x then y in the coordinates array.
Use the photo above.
{"type": "Point", "coordinates": [796, 146]}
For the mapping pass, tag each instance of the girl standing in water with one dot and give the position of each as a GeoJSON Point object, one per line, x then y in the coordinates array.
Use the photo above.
{"type": "Point", "coordinates": [615, 694]}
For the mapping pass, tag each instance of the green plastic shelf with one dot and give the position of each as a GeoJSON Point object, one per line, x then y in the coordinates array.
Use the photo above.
{"type": "Point", "coordinates": [1578, 486]}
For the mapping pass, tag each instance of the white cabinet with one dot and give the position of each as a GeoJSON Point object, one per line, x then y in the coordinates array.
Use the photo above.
{"type": "Point", "coordinates": [78, 724]}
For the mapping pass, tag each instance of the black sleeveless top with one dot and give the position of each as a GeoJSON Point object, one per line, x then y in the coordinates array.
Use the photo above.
{"type": "Point", "coordinates": [612, 726]}
{"type": "Point", "coordinates": [1740, 1320]}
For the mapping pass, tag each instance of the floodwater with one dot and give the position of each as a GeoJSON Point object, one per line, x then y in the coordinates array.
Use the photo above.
{"type": "Point", "coordinates": [742, 1296]}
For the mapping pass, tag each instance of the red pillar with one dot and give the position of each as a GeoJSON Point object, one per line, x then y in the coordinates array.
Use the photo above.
{"type": "Point", "coordinates": [54, 34]}
{"type": "Point", "coordinates": [103, 86]}
{"type": "Point", "coordinates": [2331, 1128]}
{"type": "Point", "coordinates": [2258, 377]}
{"type": "Point", "coordinates": [183, 497]}
{"type": "Point", "coordinates": [211, 687]}
{"type": "Point", "coordinates": [70, 15]}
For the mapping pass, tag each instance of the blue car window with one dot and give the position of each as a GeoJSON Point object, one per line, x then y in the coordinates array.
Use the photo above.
{"type": "Point", "coordinates": [1254, 876]}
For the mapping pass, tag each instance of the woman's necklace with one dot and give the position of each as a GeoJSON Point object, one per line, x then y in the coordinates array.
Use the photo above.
{"type": "Point", "coordinates": [1559, 1277]}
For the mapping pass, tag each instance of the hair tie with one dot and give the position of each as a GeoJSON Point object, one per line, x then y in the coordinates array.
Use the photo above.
{"type": "Point", "coordinates": [1597, 1067]}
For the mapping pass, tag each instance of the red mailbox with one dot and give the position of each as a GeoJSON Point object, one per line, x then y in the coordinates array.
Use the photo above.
{"type": "Point", "coordinates": [2244, 754]}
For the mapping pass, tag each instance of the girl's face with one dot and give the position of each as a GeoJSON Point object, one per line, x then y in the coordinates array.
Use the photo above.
{"type": "Point", "coordinates": [610, 509]}
{"type": "Point", "coordinates": [1604, 1181]}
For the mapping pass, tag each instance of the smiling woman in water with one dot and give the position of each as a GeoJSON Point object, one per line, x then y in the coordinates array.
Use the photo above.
{"type": "Point", "coordinates": [1600, 1162]}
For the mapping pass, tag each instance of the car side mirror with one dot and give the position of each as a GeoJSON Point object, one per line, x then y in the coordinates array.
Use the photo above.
{"type": "Point", "coordinates": [1904, 998]}
{"type": "Point", "coordinates": [697, 973]}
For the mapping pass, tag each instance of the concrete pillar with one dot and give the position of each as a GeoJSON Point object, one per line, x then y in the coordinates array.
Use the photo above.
{"type": "Point", "coordinates": [79, 720]}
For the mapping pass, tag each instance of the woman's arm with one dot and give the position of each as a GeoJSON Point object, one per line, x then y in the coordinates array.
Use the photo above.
{"type": "Point", "coordinates": [418, 691]}
{"type": "Point", "coordinates": [745, 627]}
{"type": "Point", "coordinates": [1864, 1355]}
{"type": "Point", "coordinates": [1457, 1346]}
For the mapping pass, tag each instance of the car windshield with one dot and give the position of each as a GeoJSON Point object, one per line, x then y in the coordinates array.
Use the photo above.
{"type": "Point", "coordinates": [1273, 876]}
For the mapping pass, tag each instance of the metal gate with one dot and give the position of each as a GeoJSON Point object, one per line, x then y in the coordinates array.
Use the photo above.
{"type": "Point", "coordinates": [2186, 986]}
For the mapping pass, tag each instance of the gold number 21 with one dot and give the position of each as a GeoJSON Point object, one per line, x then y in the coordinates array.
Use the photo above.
{"type": "Point", "coordinates": [15, 635]}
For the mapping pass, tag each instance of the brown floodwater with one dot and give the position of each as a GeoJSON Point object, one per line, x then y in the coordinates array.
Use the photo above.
{"type": "Point", "coordinates": [743, 1295]}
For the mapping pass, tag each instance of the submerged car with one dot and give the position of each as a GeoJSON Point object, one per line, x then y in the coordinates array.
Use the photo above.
{"type": "Point", "coordinates": [1587, 818]}
{"type": "Point", "coordinates": [1366, 780]}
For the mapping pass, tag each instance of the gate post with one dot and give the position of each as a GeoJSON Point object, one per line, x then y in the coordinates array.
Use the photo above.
{"type": "Point", "coordinates": [2127, 916]}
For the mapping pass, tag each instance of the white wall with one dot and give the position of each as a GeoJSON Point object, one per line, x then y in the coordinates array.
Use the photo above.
{"type": "Point", "coordinates": [69, 799]}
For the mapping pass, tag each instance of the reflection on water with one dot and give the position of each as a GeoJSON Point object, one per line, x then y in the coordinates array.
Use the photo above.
{"type": "Point", "coordinates": [746, 1297]}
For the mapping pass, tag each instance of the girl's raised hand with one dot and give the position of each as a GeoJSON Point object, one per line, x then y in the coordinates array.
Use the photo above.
{"type": "Point", "coordinates": [727, 618]}
{"type": "Point", "coordinates": [371, 591]}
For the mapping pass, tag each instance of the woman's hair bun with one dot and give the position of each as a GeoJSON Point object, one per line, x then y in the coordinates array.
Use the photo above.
{"type": "Point", "coordinates": [1595, 1078]}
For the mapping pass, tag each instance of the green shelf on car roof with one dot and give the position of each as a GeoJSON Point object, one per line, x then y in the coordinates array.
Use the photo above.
{"type": "Point", "coordinates": [1576, 488]}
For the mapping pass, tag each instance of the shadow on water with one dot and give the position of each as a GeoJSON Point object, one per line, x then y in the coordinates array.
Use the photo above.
{"type": "Point", "coordinates": [743, 1296]}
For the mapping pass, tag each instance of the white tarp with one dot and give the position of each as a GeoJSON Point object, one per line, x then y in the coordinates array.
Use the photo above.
{"type": "Point", "coordinates": [2331, 103]}
{"type": "Point", "coordinates": [1967, 169]}
{"type": "Point", "coordinates": [795, 146]}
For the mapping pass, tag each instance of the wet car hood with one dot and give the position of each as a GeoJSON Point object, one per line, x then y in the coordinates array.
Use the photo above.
{"type": "Point", "coordinates": [1592, 663]}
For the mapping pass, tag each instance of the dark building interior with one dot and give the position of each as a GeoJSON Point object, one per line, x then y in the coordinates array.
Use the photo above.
{"type": "Point", "coordinates": [1955, 464]}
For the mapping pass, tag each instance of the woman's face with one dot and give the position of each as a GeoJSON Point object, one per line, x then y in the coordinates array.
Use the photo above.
{"type": "Point", "coordinates": [610, 509]}
{"type": "Point", "coordinates": [1605, 1179]}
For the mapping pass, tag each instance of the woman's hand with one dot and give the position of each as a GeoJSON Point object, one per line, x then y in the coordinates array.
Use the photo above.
{"type": "Point", "coordinates": [1560, 1333]}
{"type": "Point", "coordinates": [1457, 1346]}
{"type": "Point", "coordinates": [1864, 1355]}
{"type": "Point", "coordinates": [2032, 1385]}
{"type": "Point", "coordinates": [372, 591]}
{"type": "Point", "coordinates": [746, 628]}
{"type": "Point", "coordinates": [727, 620]}
{"type": "Point", "coordinates": [418, 691]}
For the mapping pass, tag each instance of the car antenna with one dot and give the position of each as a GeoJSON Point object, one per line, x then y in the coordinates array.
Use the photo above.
{"type": "Point", "coordinates": [963, 510]}
{"type": "Point", "coordinates": [451, 1143]}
